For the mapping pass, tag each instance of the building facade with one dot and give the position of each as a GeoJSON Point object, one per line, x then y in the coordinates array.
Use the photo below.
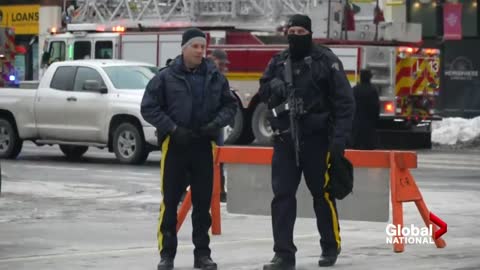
{"type": "Point", "coordinates": [453, 26]}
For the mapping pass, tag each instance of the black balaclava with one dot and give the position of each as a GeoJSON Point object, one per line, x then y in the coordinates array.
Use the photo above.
{"type": "Point", "coordinates": [300, 45]}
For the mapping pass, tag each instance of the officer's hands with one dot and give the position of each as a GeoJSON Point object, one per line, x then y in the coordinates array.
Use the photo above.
{"type": "Point", "coordinates": [279, 88]}
{"type": "Point", "coordinates": [181, 135]}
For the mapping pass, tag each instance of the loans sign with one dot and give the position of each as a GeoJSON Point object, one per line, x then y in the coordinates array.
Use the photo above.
{"type": "Point", "coordinates": [22, 18]}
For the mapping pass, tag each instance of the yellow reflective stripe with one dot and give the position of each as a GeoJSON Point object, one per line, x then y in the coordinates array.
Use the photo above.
{"type": "Point", "coordinates": [327, 177]}
{"type": "Point", "coordinates": [162, 205]}
{"type": "Point", "coordinates": [214, 150]}
{"type": "Point", "coordinates": [336, 230]}
{"type": "Point", "coordinates": [214, 153]}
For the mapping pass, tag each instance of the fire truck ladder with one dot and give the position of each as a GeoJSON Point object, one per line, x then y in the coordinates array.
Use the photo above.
{"type": "Point", "coordinates": [253, 14]}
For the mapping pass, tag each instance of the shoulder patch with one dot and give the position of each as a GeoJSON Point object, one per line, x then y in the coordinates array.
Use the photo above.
{"type": "Point", "coordinates": [336, 66]}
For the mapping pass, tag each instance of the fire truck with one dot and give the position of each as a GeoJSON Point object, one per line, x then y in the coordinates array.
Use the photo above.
{"type": "Point", "coordinates": [406, 76]}
{"type": "Point", "coordinates": [405, 73]}
{"type": "Point", "coordinates": [7, 57]}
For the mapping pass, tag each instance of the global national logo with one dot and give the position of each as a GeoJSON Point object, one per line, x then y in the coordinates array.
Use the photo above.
{"type": "Point", "coordinates": [397, 234]}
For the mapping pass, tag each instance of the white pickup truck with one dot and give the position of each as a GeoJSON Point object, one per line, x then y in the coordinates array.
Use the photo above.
{"type": "Point", "coordinates": [80, 104]}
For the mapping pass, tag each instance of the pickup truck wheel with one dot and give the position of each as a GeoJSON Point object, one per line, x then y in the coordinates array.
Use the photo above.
{"type": "Point", "coordinates": [260, 126]}
{"type": "Point", "coordinates": [232, 132]}
{"type": "Point", "coordinates": [73, 152]}
{"type": "Point", "coordinates": [129, 145]}
{"type": "Point", "coordinates": [10, 143]}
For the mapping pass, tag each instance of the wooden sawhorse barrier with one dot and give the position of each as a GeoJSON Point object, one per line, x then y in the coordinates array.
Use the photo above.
{"type": "Point", "coordinates": [402, 184]}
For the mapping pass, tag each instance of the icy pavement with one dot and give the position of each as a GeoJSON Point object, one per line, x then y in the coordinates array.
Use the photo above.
{"type": "Point", "coordinates": [105, 217]}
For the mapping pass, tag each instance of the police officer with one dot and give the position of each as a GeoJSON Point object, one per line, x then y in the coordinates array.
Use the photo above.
{"type": "Point", "coordinates": [364, 135]}
{"type": "Point", "coordinates": [188, 102]}
{"type": "Point", "coordinates": [220, 58]}
{"type": "Point", "coordinates": [319, 81]}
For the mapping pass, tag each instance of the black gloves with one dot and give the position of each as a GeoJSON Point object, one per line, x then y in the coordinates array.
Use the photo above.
{"type": "Point", "coordinates": [278, 88]}
{"type": "Point", "coordinates": [181, 135]}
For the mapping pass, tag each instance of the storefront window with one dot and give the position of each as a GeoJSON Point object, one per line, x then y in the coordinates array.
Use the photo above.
{"type": "Point", "coordinates": [35, 61]}
{"type": "Point", "coordinates": [20, 67]}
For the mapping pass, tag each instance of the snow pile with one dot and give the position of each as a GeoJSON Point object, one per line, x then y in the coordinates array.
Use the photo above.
{"type": "Point", "coordinates": [456, 131]}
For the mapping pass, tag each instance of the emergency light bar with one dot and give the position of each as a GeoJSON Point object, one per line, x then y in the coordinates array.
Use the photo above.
{"type": "Point", "coordinates": [118, 29]}
{"type": "Point", "coordinates": [411, 50]}
{"type": "Point", "coordinates": [406, 49]}
{"type": "Point", "coordinates": [432, 51]}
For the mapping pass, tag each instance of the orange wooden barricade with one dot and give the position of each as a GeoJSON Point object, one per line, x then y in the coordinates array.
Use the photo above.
{"type": "Point", "coordinates": [402, 184]}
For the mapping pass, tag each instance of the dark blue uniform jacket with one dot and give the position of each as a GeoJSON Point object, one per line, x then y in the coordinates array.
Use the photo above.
{"type": "Point", "coordinates": [170, 99]}
{"type": "Point", "coordinates": [325, 89]}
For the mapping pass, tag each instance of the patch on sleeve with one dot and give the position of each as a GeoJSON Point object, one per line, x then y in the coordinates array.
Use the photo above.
{"type": "Point", "coordinates": [336, 66]}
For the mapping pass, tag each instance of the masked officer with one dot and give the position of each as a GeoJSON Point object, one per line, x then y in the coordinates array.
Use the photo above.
{"type": "Point", "coordinates": [320, 83]}
{"type": "Point", "coordinates": [189, 102]}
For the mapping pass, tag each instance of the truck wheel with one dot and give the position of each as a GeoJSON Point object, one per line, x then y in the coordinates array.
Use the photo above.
{"type": "Point", "coordinates": [129, 145]}
{"type": "Point", "coordinates": [10, 143]}
{"type": "Point", "coordinates": [73, 152]}
{"type": "Point", "coordinates": [233, 132]}
{"type": "Point", "coordinates": [260, 125]}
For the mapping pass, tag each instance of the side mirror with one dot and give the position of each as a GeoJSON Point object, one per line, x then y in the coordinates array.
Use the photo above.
{"type": "Point", "coordinates": [94, 86]}
{"type": "Point", "coordinates": [45, 58]}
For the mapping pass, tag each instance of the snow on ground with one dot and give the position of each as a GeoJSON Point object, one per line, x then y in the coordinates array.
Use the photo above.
{"type": "Point", "coordinates": [456, 131]}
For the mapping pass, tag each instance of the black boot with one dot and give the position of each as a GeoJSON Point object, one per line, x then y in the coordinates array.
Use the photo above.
{"type": "Point", "coordinates": [165, 264]}
{"type": "Point", "coordinates": [279, 263]}
{"type": "Point", "coordinates": [328, 258]}
{"type": "Point", "coordinates": [204, 263]}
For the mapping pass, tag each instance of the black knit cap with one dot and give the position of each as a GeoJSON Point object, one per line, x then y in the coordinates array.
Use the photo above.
{"type": "Point", "coordinates": [191, 33]}
{"type": "Point", "coordinates": [300, 20]}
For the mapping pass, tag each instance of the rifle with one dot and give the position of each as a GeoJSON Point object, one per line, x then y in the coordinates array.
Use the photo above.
{"type": "Point", "coordinates": [296, 110]}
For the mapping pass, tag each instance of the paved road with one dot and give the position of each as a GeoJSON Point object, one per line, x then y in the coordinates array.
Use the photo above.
{"type": "Point", "coordinates": [98, 214]}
